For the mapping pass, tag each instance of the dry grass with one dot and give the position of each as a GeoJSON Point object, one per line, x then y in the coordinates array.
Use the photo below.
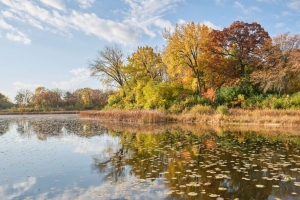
{"type": "Point", "coordinates": [132, 116]}
{"type": "Point", "coordinates": [234, 116]}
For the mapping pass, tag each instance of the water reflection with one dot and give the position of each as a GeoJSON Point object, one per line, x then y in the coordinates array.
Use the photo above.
{"type": "Point", "coordinates": [64, 157]}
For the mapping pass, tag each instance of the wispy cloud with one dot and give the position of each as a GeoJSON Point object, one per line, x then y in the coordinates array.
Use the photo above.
{"type": "Point", "coordinates": [211, 25]}
{"type": "Point", "coordinates": [20, 85]}
{"type": "Point", "coordinates": [148, 15]}
{"type": "Point", "coordinates": [279, 25]}
{"type": "Point", "coordinates": [84, 4]}
{"type": "Point", "coordinates": [246, 11]}
{"type": "Point", "coordinates": [219, 2]}
{"type": "Point", "coordinates": [79, 75]}
{"type": "Point", "coordinates": [13, 33]}
{"type": "Point", "coordinates": [141, 17]}
{"type": "Point", "coordinates": [57, 4]}
{"type": "Point", "coordinates": [64, 23]}
{"type": "Point", "coordinates": [295, 5]}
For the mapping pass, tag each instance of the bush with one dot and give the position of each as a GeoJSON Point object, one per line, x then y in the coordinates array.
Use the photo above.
{"type": "Point", "coordinates": [226, 95]}
{"type": "Point", "coordinates": [193, 100]}
{"type": "Point", "coordinates": [222, 110]}
{"type": "Point", "coordinates": [295, 100]}
{"type": "Point", "coordinates": [200, 109]}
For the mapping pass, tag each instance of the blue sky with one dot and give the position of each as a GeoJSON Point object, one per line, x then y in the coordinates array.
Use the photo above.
{"type": "Point", "coordinates": [49, 42]}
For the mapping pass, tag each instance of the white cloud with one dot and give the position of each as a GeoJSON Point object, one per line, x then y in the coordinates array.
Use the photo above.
{"type": "Point", "coordinates": [20, 85]}
{"type": "Point", "coordinates": [85, 3]}
{"type": "Point", "coordinates": [246, 11]}
{"type": "Point", "coordinates": [79, 75]}
{"type": "Point", "coordinates": [295, 5]}
{"type": "Point", "coordinates": [146, 15]}
{"type": "Point", "coordinates": [109, 30]}
{"type": "Point", "coordinates": [63, 23]}
{"type": "Point", "coordinates": [57, 4]}
{"type": "Point", "coordinates": [18, 37]}
{"type": "Point", "coordinates": [279, 25]}
{"type": "Point", "coordinates": [211, 25]}
{"type": "Point", "coordinates": [13, 33]}
{"type": "Point", "coordinates": [143, 17]}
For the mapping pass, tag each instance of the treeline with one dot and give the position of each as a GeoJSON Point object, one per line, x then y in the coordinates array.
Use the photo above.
{"type": "Point", "coordinates": [239, 66]}
{"type": "Point", "coordinates": [43, 99]}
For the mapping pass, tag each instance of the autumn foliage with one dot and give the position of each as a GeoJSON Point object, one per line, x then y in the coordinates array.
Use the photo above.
{"type": "Point", "coordinates": [239, 66]}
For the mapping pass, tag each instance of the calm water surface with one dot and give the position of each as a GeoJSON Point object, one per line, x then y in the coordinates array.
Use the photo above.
{"type": "Point", "coordinates": [64, 157]}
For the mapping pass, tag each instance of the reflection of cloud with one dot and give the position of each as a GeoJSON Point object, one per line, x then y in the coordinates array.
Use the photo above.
{"type": "Point", "coordinates": [81, 75]}
{"type": "Point", "coordinates": [94, 146]}
{"type": "Point", "coordinates": [17, 189]}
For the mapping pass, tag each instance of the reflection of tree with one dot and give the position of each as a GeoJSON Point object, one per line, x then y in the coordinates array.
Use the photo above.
{"type": "Point", "coordinates": [4, 126]}
{"type": "Point", "coordinates": [44, 127]}
{"type": "Point", "coordinates": [172, 153]}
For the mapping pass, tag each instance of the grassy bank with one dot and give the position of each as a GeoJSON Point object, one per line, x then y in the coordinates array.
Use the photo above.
{"type": "Point", "coordinates": [203, 115]}
{"type": "Point", "coordinates": [132, 116]}
{"type": "Point", "coordinates": [38, 113]}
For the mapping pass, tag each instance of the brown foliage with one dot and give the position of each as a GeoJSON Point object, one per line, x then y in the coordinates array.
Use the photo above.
{"type": "Point", "coordinates": [277, 64]}
{"type": "Point", "coordinates": [237, 43]}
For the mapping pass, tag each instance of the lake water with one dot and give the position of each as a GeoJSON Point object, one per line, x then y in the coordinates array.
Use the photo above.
{"type": "Point", "coordinates": [64, 157]}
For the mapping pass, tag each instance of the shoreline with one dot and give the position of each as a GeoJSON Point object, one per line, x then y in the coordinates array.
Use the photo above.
{"type": "Point", "coordinates": [267, 118]}
{"type": "Point", "coordinates": [39, 113]}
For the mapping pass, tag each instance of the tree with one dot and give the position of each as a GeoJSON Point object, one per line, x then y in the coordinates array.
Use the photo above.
{"type": "Point", "coordinates": [277, 65]}
{"type": "Point", "coordinates": [24, 98]}
{"type": "Point", "coordinates": [109, 66]}
{"type": "Point", "coordinates": [5, 102]}
{"type": "Point", "coordinates": [146, 63]}
{"type": "Point", "coordinates": [185, 52]}
{"type": "Point", "coordinates": [238, 43]}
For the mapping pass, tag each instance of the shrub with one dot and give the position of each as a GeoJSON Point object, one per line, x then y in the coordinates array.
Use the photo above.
{"type": "Point", "coordinates": [200, 109]}
{"type": "Point", "coordinates": [222, 110]}
{"type": "Point", "coordinates": [226, 95]}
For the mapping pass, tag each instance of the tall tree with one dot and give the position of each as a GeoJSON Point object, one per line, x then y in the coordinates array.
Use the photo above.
{"type": "Point", "coordinates": [109, 66]}
{"type": "Point", "coordinates": [238, 42]}
{"type": "Point", "coordinates": [186, 51]}
{"type": "Point", "coordinates": [146, 63]}
{"type": "Point", "coordinates": [278, 64]}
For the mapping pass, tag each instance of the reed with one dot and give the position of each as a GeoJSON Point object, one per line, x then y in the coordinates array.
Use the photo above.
{"type": "Point", "coordinates": [131, 116]}
{"type": "Point", "coordinates": [207, 116]}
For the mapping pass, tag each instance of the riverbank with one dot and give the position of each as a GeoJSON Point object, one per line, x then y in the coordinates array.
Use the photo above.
{"type": "Point", "coordinates": [213, 117]}
{"type": "Point", "coordinates": [39, 113]}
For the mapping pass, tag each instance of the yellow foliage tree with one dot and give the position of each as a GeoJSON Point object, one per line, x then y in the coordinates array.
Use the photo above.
{"type": "Point", "coordinates": [185, 53]}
